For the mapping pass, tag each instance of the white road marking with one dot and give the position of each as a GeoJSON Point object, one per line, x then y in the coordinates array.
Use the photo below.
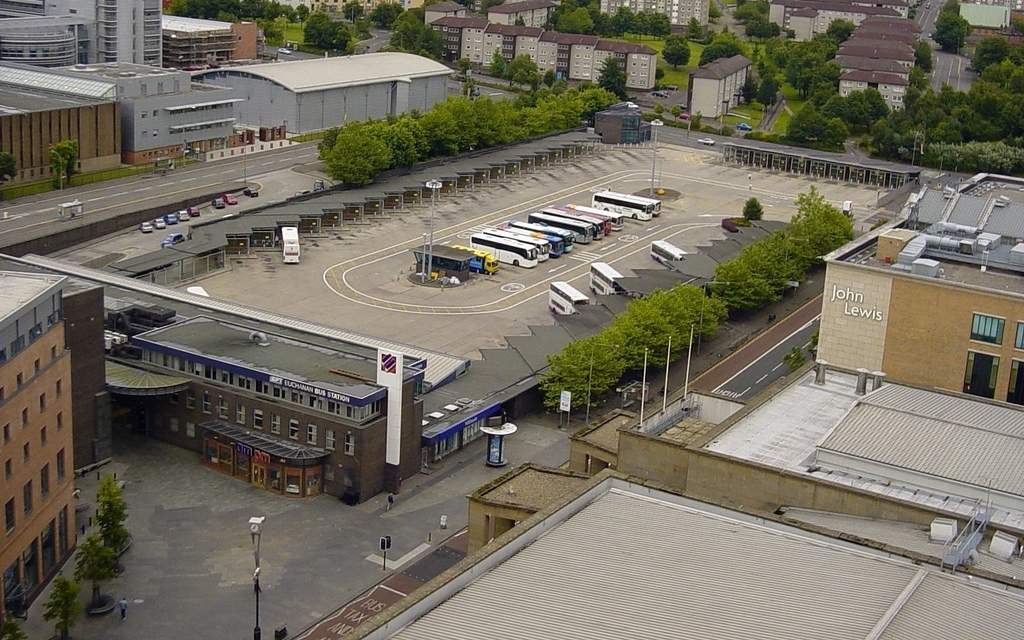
{"type": "Point", "coordinates": [758, 358]}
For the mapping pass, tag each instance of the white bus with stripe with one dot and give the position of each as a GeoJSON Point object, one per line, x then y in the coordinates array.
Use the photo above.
{"type": "Point", "coordinates": [604, 280]}
{"type": "Point", "coordinates": [563, 298]}
{"type": "Point", "coordinates": [636, 207]}
{"type": "Point", "coordinates": [513, 252]}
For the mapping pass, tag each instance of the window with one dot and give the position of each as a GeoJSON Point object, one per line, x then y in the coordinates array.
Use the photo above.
{"type": "Point", "coordinates": [1018, 343]}
{"type": "Point", "coordinates": [37, 366]}
{"type": "Point", "coordinates": [44, 481]}
{"type": "Point", "coordinates": [190, 400]}
{"type": "Point", "coordinates": [329, 439]}
{"type": "Point", "coordinates": [293, 429]}
{"type": "Point", "coordinates": [987, 329]}
{"type": "Point", "coordinates": [53, 352]}
{"type": "Point", "coordinates": [350, 444]}
{"type": "Point", "coordinates": [26, 497]}
{"type": "Point", "coordinates": [42, 402]}
{"type": "Point", "coordinates": [173, 423]}
{"type": "Point", "coordinates": [1, 388]}
{"type": "Point", "coordinates": [980, 376]}
{"type": "Point", "coordinates": [7, 433]}
{"type": "Point", "coordinates": [206, 402]}
{"type": "Point", "coordinates": [60, 420]}
{"type": "Point", "coordinates": [26, 453]}
{"type": "Point", "coordinates": [190, 429]}
{"type": "Point", "coordinates": [60, 465]}
{"type": "Point", "coordinates": [257, 418]}
{"type": "Point", "coordinates": [42, 437]}
{"type": "Point", "coordinates": [240, 413]}
{"type": "Point", "coordinates": [24, 417]}
{"type": "Point", "coordinates": [311, 434]}
{"type": "Point", "coordinates": [8, 469]}
{"type": "Point", "coordinates": [275, 423]}
{"type": "Point", "coordinates": [20, 379]}
{"type": "Point", "coordinates": [222, 407]}
{"type": "Point", "coordinates": [9, 515]}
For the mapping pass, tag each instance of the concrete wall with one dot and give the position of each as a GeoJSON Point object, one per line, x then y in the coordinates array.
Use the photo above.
{"type": "Point", "coordinates": [90, 402]}
{"type": "Point", "coordinates": [488, 521]}
{"type": "Point", "coordinates": [713, 409]}
{"type": "Point", "coordinates": [849, 340]}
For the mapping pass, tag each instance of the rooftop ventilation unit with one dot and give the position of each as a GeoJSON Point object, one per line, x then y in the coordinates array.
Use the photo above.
{"type": "Point", "coordinates": [1003, 546]}
{"type": "Point", "coordinates": [260, 338]}
{"type": "Point", "coordinates": [943, 530]}
{"type": "Point", "coordinates": [912, 251]}
{"type": "Point", "coordinates": [1017, 254]}
{"type": "Point", "coordinates": [925, 267]}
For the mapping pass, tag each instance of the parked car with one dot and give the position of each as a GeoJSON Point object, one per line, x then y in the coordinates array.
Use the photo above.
{"type": "Point", "coordinates": [729, 225]}
{"type": "Point", "coordinates": [707, 141]}
{"type": "Point", "coordinates": [172, 239]}
{"type": "Point", "coordinates": [252, 192]}
{"type": "Point", "coordinates": [159, 224]}
{"type": "Point", "coordinates": [230, 199]}
{"type": "Point", "coordinates": [684, 116]}
{"type": "Point", "coordinates": [660, 94]}
{"type": "Point", "coordinates": [189, 212]}
{"type": "Point", "coordinates": [286, 51]}
{"type": "Point", "coordinates": [146, 227]}
{"type": "Point", "coordinates": [171, 218]}
{"type": "Point", "coordinates": [743, 126]}
{"type": "Point", "coordinates": [218, 203]}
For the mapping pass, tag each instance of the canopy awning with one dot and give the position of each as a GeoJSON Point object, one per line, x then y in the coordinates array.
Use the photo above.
{"type": "Point", "coordinates": [291, 452]}
{"type": "Point", "coordinates": [129, 381]}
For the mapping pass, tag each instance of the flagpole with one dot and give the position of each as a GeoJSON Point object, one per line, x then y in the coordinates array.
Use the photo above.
{"type": "Point", "coordinates": [643, 391]}
{"type": "Point", "coordinates": [668, 361]}
{"type": "Point", "coordinates": [686, 383]}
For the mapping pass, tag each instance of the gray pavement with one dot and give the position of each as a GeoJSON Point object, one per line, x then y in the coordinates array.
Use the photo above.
{"type": "Point", "coordinates": [949, 68]}
{"type": "Point", "coordinates": [189, 571]}
{"type": "Point", "coordinates": [769, 367]}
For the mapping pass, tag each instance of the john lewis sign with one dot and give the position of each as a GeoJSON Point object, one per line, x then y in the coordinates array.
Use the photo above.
{"type": "Point", "coordinates": [853, 304]}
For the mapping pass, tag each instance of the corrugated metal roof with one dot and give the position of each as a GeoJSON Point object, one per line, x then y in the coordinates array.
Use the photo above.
{"type": "Point", "coordinates": [629, 567]}
{"type": "Point", "coordinates": [968, 210]}
{"type": "Point", "coordinates": [930, 206]}
{"type": "Point", "coordinates": [951, 408]}
{"type": "Point", "coordinates": [1007, 221]}
{"type": "Point", "coordinates": [49, 81]}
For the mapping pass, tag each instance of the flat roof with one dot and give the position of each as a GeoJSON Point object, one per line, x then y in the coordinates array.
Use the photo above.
{"type": "Point", "coordinates": [319, 74]}
{"type": "Point", "coordinates": [532, 487]}
{"type": "Point", "coordinates": [523, 5]}
{"type": "Point", "coordinates": [721, 68]}
{"type": "Point", "coordinates": [25, 89]}
{"type": "Point", "coordinates": [313, 363]}
{"type": "Point", "coordinates": [993, 16]}
{"type": "Point", "coordinates": [828, 156]}
{"type": "Point", "coordinates": [18, 288]}
{"type": "Point", "coordinates": [625, 562]}
{"type": "Point", "coordinates": [192, 25]}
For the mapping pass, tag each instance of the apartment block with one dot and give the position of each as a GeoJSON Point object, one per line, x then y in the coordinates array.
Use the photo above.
{"type": "Point", "coordinates": [638, 61]}
{"type": "Point", "coordinates": [808, 18]}
{"type": "Point", "coordinates": [893, 87]}
{"type": "Point", "coordinates": [678, 11]}
{"type": "Point", "coordinates": [717, 86]}
{"type": "Point", "coordinates": [529, 13]}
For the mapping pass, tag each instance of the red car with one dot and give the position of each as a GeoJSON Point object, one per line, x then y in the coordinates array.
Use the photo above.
{"type": "Point", "coordinates": [230, 199]}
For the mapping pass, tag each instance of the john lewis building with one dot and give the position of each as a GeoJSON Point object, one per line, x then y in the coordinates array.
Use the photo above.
{"type": "Point", "coordinates": [295, 416]}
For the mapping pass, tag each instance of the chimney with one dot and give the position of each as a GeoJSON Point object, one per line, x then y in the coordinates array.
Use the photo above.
{"type": "Point", "coordinates": [862, 381]}
{"type": "Point", "coordinates": [819, 372]}
{"type": "Point", "coordinates": [877, 379]}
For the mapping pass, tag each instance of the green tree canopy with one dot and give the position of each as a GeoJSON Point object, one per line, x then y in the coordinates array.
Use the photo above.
{"type": "Point", "coordinates": [840, 30]}
{"type": "Point", "coordinates": [694, 30]}
{"type": "Point", "coordinates": [385, 14]}
{"type": "Point", "coordinates": [752, 209]}
{"type": "Point", "coordinates": [523, 70]}
{"type": "Point", "coordinates": [612, 77]}
{"type": "Point", "coordinates": [499, 68]}
{"type": "Point", "coordinates": [358, 155]}
{"type": "Point", "coordinates": [723, 45]}
{"type": "Point", "coordinates": [111, 514]}
{"type": "Point", "coordinates": [96, 563]}
{"type": "Point", "coordinates": [676, 51]}
{"type": "Point", "coordinates": [11, 630]}
{"type": "Point", "coordinates": [923, 56]}
{"type": "Point", "coordinates": [320, 31]}
{"type": "Point", "coordinates": [576, 21]}
{"type": "Point", "coordinates": [8, 166]}
{"type": "Point", "coordinates": [409, 34]}
{"type": "Point", "coordinates": [62, 607]}
{"type": "Point", "coordinates": [810, 128]}
{"type": "Point", "coordinates": [951, 31]}
{"type": "Point", "coordinates": [767, 90]}
{"type": "Point", "coordinates": [990, 51]}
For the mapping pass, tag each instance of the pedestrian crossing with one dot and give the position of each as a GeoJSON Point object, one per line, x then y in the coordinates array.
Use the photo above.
{"type": "Point", "coordinates": [583, 256]}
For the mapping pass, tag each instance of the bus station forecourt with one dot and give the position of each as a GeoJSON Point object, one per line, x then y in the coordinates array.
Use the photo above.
{"type": "Point", "coordinates": [363, 277]}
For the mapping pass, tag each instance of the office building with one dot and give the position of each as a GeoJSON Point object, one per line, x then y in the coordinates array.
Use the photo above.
{"type": "Point", "coordinates": [528, 13]}
{"type": "Point", "coordinates": [191, 43]}
{"type": "Point", "coordinates": [42, 108]}
{"type": "Point", "coordinates": [36, 419]}
{"type": "Point", "coordinates": [717, 86]}
{"type": "Point", "coordinates": [678, 11]}
{"type": "Point", "coordinates": [622, 123]}
{"type": "Point", "coordinates": [46, 41]}
{"type": "Point", "coordinates": [309, 95]}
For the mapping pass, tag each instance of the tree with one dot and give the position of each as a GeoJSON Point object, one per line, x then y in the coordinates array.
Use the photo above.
{"type": "Point", "coordinates": [301, 12]}
{"type": "Point", "coordinates": [10, 629]}
{"type": "Point", "coordinates": [358, 155]}
{"type": "Point", "coordinates": [352, 10]}
{"type": "Point", "coordinates": [499, 68]}
{"type": "Point", "coordinates": [714, 13]}
{"type": "Point", "coordinates": [62, 607]}
{"type": "Point", "coordinates": [549, 78]}
{"type": "Point", "coordinates": [818, 227]}
{"type": "Point", "coordinates": [923, 56]}
{"type": "Point", "coordinates": [795, 358]}
{"type": "Point", "coordinates": [622, 21]}
{"type": "Point", "coordinates": [523, 70]}
{"type": "Point", "coordinates": [322, 32]}
{"type": "Point", "coordinates": [749, 89]}
{"type": "Point", "coordinates": [111, 513]}
{"type": "Point", "coordinates": [694, 30]}
{"type": "Point", "coordinates": [612, 77]}
{"type": "Point", "coordinates": [411, 35]}
{"type": "Point", "coordinates": [724, 45]}
{"type": "Point", "coordinates": [571, 370]}
{"type": "Point", "coordinates": [385, 14]}
{"type": "Point", "coordinates": [96, 563]}
{"type": "Point", "coordinates": [762, 28]}
{"type": "Point", "coordinates": [576, 21]}
{"type": "Point", "coordinates": [810, 128]}
{"type": "Point", "coordinates": [745, 287]}
{"type": "Point", "coordinates": [840, 30]}
{"type": "Point", "coordinates": [768, 90]}
{"type": "Point", "coordinates": [753, 210]}
{"type": "Point", "coordinates": [676, 51]}
{"type": "Point", "coordinates": [8, 166]}
{"type": "Point", "coordinates": [951, 31]}
{"type": "Point", "coordinates": [63, 158]}
{"type": "Point", "coordinates": [990, 51]}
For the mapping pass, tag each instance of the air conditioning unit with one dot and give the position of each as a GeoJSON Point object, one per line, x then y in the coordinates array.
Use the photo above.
{"type": "Point", "coordinates": [943, 530]}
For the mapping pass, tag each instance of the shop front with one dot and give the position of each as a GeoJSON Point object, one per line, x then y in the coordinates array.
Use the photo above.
{"type": "Point", "coordinates": [282, 467]}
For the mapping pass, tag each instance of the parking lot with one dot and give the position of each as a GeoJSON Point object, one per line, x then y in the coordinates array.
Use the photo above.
{"type": "Point", "coordinates": [358, 277]}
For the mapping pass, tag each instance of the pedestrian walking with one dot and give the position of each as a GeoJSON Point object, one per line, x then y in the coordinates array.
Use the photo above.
{"type": "Point", "coordinates": [391, 501]}
{"type": "Point", "coordinates": [122, 606]}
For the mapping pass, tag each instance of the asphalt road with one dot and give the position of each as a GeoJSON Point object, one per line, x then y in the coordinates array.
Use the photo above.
{"type": "Point", "coordinates": [949, 68]}
{"type": "Point", "coordinates": [33, 211]}
{"type": "Point", "coordinates": [769, 367]}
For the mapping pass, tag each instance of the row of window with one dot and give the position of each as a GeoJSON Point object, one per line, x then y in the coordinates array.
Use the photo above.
{"type": "Point", "coordinates": [20, 380]}
{"type": "Point", "coordinates": [990, 329]}
{"type": "Point", "coordinates": [257, 422]}
{"type": "Point", "coordinates": [28, 491]}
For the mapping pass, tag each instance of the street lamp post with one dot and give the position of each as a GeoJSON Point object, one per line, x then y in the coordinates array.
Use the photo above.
{"type": "Point", "coordinates": [255, 530]}
{"type": "Point", "coordinates": [700, 323]}
{"type": "Point", "coordinates": [433, 185]}
{"type": "Point", "coordinates": [654, 150]}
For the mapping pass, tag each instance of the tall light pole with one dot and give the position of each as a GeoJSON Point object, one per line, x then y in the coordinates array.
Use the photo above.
{"type": "Point", "coordinates": [643, 391]}
{"type": "Point", "coordinates": [654, 150]}
{"type": "Point", "coordinates": [255, 529]}
{"type": "Point", "coordinates": [244, 176]}
{"type": "Point", "coordinates": [433, 185]}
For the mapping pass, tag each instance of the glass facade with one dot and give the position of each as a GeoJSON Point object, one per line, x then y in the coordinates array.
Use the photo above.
{"type": "Point", "coordinates": [987, 329]}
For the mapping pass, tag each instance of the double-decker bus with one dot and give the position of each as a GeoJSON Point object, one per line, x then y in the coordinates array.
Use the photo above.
{"type": "Point", "coordinates": [543, 246]}
{"type": "Point", "coordinates": [665, 252]}
{"type": "Point", "coordinates": [513, 252]}
{"type": "Point", "coordinates": [584, 231]}
{"type": "Point", "coordinates": [636, 207]}
{"type": "Point", "coordinates": [563, 298]}
{"type": "Point", "coordinates": [567, 237]}
{"type": "Point", "coordinates": [603, 227]}
{"type": "Point", "coordinates": [617, 220]}
{"type": "Point", "coordinates": [604, 280]}
{"type": "Point", "coordinates": [556, 246]}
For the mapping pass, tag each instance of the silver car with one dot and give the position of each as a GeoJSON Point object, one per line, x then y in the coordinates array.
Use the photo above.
{"type": "Point", "coordinates": [146, 227]}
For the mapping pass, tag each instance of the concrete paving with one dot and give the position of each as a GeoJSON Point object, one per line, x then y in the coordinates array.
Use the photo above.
{"type": "Point", "coordinates": [189, 571]}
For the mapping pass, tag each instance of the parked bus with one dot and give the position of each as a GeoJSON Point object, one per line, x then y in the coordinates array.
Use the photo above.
{"type": "Point", "coordinates": [555, 245]}
{"type": "Point", "coordinates": [543, 248]}
{"type": "Point", "coordinates": [290, 244]}
{"type": "Point", "coordinates": [486, 262]}
{"type": "Point", "coordinates": [513, 252]}
{"type": "Point", "coordinates": [665, 252]}
{"type": "Point", "coordinates": [563, 298]}
{"type": "Point", "coordinates": [602, 227]}
{"type": "Point", "coordinates": [604, 280]}
{"type": "Point", "coordinates": [454, 260]}
{"type": "Point", "coordinates": [583, 231]}
{"type": "Point", "coordinates": [617, 220]}
{"type": "Point", "coordinates": [635, 207]}
{"type": "Point", "coordinates": [567, 237]}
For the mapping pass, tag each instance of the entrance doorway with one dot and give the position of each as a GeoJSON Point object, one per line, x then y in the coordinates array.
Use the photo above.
{"type": "Point", "coordinates": [980, 378]}
{"type": "Point", "coordinates": [259, 475]}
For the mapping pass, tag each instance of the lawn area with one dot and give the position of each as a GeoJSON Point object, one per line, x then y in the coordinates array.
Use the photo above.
{"type": "Point", "coordinates": [293, 33]}
{"type": "Point", "coordinates": [795, 104]}
{"type": "Point", "coordinates": [672, 76]}
{"type": "Point", "coordinates": [749, 113]}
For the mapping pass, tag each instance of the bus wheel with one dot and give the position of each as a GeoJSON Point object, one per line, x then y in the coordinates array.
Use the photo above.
{"type": "Point", "coordinates": [515, 263]}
